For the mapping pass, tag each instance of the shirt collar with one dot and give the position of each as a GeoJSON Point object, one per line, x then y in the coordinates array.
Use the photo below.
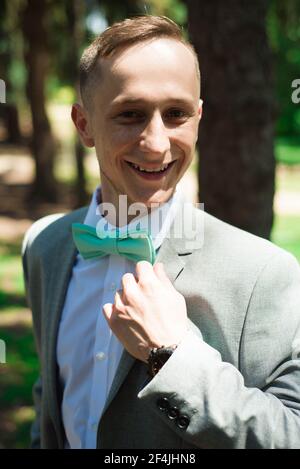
{"type": "Point", "coordinates": [157, 223]}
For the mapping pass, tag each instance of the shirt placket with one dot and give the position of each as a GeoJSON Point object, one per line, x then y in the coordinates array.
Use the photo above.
{"type": "Point", "coordinates": [102, 350]}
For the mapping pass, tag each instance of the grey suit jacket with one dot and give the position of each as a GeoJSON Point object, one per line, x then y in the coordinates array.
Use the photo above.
{"type": "Point", "coordinates": [233, 382]}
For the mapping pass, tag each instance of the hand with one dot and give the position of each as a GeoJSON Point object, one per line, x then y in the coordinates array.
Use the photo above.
{"type": "Point", "coordinates": [148, 312]}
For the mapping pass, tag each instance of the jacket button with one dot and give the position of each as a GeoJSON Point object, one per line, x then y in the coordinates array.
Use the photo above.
{"type": "Point", "coordinates": [163, 404]}
{"type": "Point", "coordinates": [173, 413]}
{"type": "Point", "coordinates": [182, 421]}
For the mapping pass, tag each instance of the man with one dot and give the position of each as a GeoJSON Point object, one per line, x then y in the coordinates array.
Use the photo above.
{"type": "Point", "coordinates": [197, 344]}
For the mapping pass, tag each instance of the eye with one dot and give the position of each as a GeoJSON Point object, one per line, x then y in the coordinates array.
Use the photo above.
{"type": "Point", "coordinates": [130, 116]}
{"type": "Point", "coordinates": [176, 114]}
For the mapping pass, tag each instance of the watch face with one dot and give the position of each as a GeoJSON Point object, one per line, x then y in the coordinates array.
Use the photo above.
{"type": "Point", "coordinates": [163, 357]}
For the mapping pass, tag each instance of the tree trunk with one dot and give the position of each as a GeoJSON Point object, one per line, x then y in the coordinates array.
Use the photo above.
{"type": "Point", "coordinates": [75, 11]}
{"type": "Point", "coordinates": [12, 124]}
{"type": "Point", "coordinates": [36, 58]}
{"type": "Point", "coordinates": [237, 166]}
{"type": "Point", "coordinates": [10, 116]}
{"type": "Point", "coordinates": [8, 111]}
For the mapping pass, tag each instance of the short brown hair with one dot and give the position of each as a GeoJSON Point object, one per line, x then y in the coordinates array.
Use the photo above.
{"type": "Point", "coordinates": [124, 34]}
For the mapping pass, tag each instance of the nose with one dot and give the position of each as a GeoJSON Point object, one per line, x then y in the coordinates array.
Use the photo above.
{"type": "Point", "coordinates": [155, 138]}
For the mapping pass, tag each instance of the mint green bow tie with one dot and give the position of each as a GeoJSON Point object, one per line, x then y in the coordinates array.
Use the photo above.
{"type": "Point", "coordinates": [136, 245]}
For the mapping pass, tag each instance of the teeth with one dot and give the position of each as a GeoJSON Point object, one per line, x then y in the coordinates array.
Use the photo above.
{"type": "Point", "coordinates": [162, 168]}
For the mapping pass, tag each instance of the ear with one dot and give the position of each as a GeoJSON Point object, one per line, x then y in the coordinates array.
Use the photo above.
{"type": "Point", "coordinates": [200, 107]}
{"type": "Point", "coordinates": [81, 122]}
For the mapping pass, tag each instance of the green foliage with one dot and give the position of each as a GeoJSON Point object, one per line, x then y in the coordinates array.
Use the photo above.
{"type": "Point", "coordinates": [20, 371]}
{"type": "Point", "coordinates": [12, 66]}
{"type": "Point", "coordinates": [174, 9]}
{"type": "Point", "coordinates": [286, 233]}
{"type": "Point", "coordinates": [120, 9]}
{"type": "Point", "coordinates": [284, 36]}
{"type": "Point", "coordinates": [287, 150]}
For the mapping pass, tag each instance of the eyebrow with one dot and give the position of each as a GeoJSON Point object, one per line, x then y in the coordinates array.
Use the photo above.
{"type": "Point", "coordinates": [133, 100]}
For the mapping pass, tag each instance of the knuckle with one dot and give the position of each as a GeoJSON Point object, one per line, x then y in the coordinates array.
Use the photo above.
{"type": "Point", "coordinates": [127, 277]}
{"type": "Point", "coordinates": [146, 282]}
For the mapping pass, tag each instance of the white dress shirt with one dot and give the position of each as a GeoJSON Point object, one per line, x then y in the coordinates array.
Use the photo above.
{"type": "Point", "coordinates": [88, 353]}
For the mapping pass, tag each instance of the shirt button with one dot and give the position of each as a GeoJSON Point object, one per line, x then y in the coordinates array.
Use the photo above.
{"type": "Point", "coordinates": [100, 356]}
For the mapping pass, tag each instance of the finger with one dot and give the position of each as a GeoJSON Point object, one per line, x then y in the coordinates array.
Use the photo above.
{"type": "Point", "coordinates": [130, 287]}
{"type": "Point", "coordinates": [145, 273]}
{"type": "Point", "coordinates": [107, 311]}
{"type": "Point", "coordinates": [119, 302]}
{"type": "Point", "coordinates": [129, 281]}
{"type": "Point", "coordinates": [161, 273]}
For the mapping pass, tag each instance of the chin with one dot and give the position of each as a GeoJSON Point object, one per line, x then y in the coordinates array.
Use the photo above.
{"type": "Point", "coordinates": [159, 197]}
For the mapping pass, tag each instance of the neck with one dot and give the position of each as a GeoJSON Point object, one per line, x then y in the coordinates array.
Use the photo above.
{"type": "Point", "coordinates": [115, 206]}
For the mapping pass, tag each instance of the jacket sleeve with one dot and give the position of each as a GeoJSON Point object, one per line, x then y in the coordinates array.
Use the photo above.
{"type": "Point", "coordinates": [35, 434]}
{"type": "Point", "coordinates": [35, 431]}
{"type": "Point", "coordinates": [33, 287]}
{"type": "Point", "coordinates": [206, 400]}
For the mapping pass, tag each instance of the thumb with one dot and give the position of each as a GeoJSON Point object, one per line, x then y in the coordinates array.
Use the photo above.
{"type": "Point", "coordinates": [107, 311]}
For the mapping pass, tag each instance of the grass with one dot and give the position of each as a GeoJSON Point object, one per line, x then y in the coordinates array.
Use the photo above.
{"type": "Point", "coordinates": [19, 372]}
{"type": "Point", "coordinates": [17, 376]}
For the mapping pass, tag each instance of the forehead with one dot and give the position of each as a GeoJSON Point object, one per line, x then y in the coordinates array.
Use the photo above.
{"type": "Point", "coordinates": [161, 66]}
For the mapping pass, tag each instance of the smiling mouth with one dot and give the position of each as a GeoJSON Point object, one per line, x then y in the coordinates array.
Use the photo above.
{"type": "Point", "coordinates": [146, 173]}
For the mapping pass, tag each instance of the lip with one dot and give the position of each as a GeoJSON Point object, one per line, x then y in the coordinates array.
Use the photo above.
{"type": "Point", "coordinates": [151, 176]}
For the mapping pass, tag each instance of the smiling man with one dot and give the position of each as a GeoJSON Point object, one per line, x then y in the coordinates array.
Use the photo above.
{"type": "Point", "coordinates": [147, 337]}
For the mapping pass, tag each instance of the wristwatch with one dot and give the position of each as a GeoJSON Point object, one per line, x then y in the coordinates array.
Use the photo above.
{"type": "Point", "coordinates": [158, 357]}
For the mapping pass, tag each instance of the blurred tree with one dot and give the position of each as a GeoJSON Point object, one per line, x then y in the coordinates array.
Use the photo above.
{"type": "Point", "coordinates": [121, 9]}
{"type": "Point", "coordinates": [34, 18]}
{"type": "Point", "coordinates": [75, 14]}
{"type": "Point", "coordinates": [176, 10]}
{"type": "Point", "coordinates": [9, 111]}
{"type": "Point", "coordinates": [236, 171]}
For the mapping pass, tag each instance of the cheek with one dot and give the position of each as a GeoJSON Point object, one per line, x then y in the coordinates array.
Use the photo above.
{"type": "Point", "coordinates": [121, 139]}
{"type": "Point", "coordinates": [120, 133]}
{"type": "Point", "coordinates": [185, 139]}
